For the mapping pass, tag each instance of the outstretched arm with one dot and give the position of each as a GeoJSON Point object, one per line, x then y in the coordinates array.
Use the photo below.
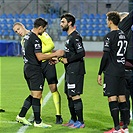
{"type": "Point", "coordinates": [41, 56]}
{"type": "Point", "coordinates": [126, 23]}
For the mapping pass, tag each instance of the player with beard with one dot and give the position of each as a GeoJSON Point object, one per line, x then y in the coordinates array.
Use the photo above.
{"type": "Point", "coordinates": [73, 61]}
{"type": "Point", "coordinates": [33, 56]}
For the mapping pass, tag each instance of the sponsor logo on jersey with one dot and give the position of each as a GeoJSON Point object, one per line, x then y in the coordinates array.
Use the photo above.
{"type": "Point", "coordinates": [26, 37]}
{"type": "Point", "coordinates": [79, 46]}
{"type": "Point", "coordinates": [41, 87]}
{"type": "Point", "coordinates": [104, 85]}
{"type": "Point", "coordinates": [36, 41]}
{"type": "Point", "coordinates": [67, 41]}
{"type": "Point", "coordinates": [71, 86]}
{"type": "Point", "coordinates": [122, 37]}
{"type": "Point", "coordinates": [66, 49]}
{"type": "Point", "coordinates": [107, 41]}
{"type": "Point", "coordinates": [122, 60]}
{"type": "Point", "coordinates": [25, 60]}
{"type": "Point", "coordinates": [73, 91]}
{"type": "Point", "coordinates": [37, 46]}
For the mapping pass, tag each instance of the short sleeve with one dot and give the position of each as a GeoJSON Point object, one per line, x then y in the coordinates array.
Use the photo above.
{"type": "Point", "coordinates": [78, 44]}
{"type": "Point", "coordinates": [37, 45]}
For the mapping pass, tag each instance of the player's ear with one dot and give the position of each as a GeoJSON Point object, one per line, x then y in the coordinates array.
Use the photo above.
{"type": "Point", "coordinates": [70, 23]}
{"type": "Point", "coordinates": [40, 27]}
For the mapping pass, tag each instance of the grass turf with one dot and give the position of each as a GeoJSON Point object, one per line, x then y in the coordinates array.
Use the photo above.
{"type": "Point", "coordinates": [14, 90]}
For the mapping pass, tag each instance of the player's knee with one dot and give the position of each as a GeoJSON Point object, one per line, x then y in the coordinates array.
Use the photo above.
{"type": "Point", "coordinates": [112, 98]}
{"type": "Point", "coordinates": [53, 88]}
{"type": "Point", "coordinates": [36, 94]}
{"type": "Point", "coordinates": [122, 98]}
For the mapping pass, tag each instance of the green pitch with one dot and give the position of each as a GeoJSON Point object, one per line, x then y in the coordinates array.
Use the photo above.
{"type": "Point", "coordinates": [13, 91]}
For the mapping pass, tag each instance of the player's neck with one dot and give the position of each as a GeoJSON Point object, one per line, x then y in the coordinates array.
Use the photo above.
{"type": "Point", "coordinates": [70, 30]}
{"type": "Point", "coordinates": [35, 31]}
{"type": "Point", "coordinates": [114, 28]}
{"type": "Point", "coordinates": [27, 31]}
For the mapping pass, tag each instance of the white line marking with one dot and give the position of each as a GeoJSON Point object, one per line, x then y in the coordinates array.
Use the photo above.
{"type": "Point", "coordinates": [22, 129]}
{"type": "Point", "coordinates": [45, 100]}
{"type": "Point", "coordinates": [131, 115]}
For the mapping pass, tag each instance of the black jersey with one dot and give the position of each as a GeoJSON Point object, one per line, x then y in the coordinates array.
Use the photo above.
{"type": "Point", "coordinates": [126, 25]}
{"type": "Point", "coordinates": [129, 54]}
{"type": "Point", "coordinates": [32, 45]}
{"type": "Point", "coordinates": [74, 52]}
{"type": "Point", "coordinates": [115, 43]}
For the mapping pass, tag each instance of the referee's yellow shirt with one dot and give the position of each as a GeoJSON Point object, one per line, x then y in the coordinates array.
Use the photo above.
{"type": "Point", "coordinates": [47, 43]}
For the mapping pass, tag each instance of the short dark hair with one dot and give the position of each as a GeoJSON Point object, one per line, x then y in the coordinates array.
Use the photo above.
{"type": "Point", "coordinates": [69, 17]}
{"type": "Point", "coordinates": [114, 17]}
{"type": "Point", "coordinates": [40, 22]}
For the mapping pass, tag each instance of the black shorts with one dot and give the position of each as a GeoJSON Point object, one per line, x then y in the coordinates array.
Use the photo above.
{"type": "Point", "coordinates": [34, 77]}
{"type": "Point", "coordinates": [74, 84]}
{"type": "Point", "coordinates": [129, 82]}
{"type": "Point", "coordinates": [49, 72]}
{"type": "Point", "coordinates": [113, 85]}
{"type": "Point", "coordinates": [129, 79]}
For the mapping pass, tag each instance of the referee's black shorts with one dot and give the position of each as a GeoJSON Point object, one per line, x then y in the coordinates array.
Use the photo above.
{"type": "Point", "coordinates": [49, 72]}
{"type": "Point", "coordinates": [34, 77]}
{"type": "Point", "coordinates": [114, 85]}
{"type": "Point", "coordinates": [74, 84]}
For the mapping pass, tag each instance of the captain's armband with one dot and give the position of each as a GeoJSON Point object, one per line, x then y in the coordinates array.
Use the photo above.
{"type": "Point", "coordinates": [60, 59]}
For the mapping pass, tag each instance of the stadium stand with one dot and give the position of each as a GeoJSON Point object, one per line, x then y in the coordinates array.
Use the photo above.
{"type": "Point", "coordinates": [83, 33]}
{"type": "Point", "coordinates": [90, 17]}
{"type": "Point", "coordinates": [35, 15]}
{"type": "Point", "coordinates": [97, 16]}
{"type": "Point", "coordinates": [11, 34]}
{"type": "Point", "coordinates": [16, 16]}
{"type": "Point", "coordinates": [89, 25]}
{"type": "Point", "coordinates": [95, 36]}
{"type": "Point", "coordinates": [63, 35]}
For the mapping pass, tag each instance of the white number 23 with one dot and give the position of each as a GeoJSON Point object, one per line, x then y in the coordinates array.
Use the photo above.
{"type": "Point", "coordinates": [120, 44]}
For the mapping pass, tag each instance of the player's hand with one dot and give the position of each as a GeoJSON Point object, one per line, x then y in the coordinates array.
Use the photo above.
{"type": "Point", "coordinates": [64, 60]}
{"type": "Point", "coordinates": [59, 53]}
{"type": "Point", "coordinates": [53, 61]}
{"type": "Point", "coordinates": [99, 80]}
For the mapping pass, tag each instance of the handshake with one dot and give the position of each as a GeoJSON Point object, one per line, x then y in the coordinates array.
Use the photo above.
{"type": "Point", "coordinates": [53, 61]}
{"type": "Point", "coordinates": [58, 57]}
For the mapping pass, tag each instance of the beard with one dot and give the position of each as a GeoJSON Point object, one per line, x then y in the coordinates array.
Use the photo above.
{"type": "Point", "coordinates": [65, 28]}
